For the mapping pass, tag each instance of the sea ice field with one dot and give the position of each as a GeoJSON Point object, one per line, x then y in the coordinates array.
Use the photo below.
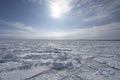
{"type": "Point", "coordinates": [59, 60]}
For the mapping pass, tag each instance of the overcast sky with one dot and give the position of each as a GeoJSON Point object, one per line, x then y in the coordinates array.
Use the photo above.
{"type": "Point", "coordinates": [59, 19]}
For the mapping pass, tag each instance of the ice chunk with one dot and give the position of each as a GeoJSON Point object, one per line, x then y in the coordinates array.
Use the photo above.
{"type": "Point", "coordinates": [58, 65]}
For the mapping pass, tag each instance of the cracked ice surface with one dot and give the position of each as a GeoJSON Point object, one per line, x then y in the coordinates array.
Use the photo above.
{"type": "Point", "coordinates": [59, 60]}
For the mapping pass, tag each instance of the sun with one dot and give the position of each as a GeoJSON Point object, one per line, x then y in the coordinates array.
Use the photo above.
{"type": "Point", "coordinates": [59, 8]}
{"type": "Point", "coordinates": [56, 11]}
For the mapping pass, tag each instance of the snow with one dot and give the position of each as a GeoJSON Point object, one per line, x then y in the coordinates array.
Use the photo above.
{"type": "Point", "coordinates": [21, 74]}
{"type": "Point", "coordinates": [59, 60]}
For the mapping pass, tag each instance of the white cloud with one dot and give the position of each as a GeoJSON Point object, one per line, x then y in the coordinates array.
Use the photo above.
{"type": "Point", "coordinates": [58, 7]}
{"type": "Point", "coordinates": [89, 10]}
{"type": "Point", "coordinates": [109, 31]}
{"type": "Point", "coordinates": [95, 10]}
{"type": "Point", "coordinates": [19, 26]}
{"type": "Point", "coordinates": [37, 1]}
{"type": "Point", "coordinates": [95, 17]}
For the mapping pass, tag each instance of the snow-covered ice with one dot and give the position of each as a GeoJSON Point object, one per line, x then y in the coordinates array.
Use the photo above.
{"type": "Point", "coordinates": [59, 60]}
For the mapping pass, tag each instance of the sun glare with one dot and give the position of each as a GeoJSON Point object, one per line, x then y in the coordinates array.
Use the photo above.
{"type": "Point", "coordinates": [57, 34]}
{"type": "Point", "coordinates": [56, 10]}
{"type": "Point", "coordinates": [59, 7]}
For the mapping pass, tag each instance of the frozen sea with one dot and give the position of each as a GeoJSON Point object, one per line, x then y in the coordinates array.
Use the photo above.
{"type": "Point", "coordinates": [59, 60]}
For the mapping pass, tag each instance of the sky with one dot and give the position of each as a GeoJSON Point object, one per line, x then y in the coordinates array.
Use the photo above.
{"type": "Point", "coordinates": [60, 19]}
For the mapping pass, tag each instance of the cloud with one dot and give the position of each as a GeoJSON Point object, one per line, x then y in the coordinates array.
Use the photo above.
{"type": "Point", "coordinates": [108, 31]}
{"type": "Point", "coordinates": [58, 7]}
{"type": "Point", "coordinates": [37, 1]}
{"type": "Point", "coordinates": [89, 10]}
{"type": "Point", "coordinates": [96, 10]}
{"type": "Point", "coordinates": [19, 26]}
{"type": "Point", "coordinates": [97, 17]}
{"type": "Point", "coordinates": [22, 31]}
